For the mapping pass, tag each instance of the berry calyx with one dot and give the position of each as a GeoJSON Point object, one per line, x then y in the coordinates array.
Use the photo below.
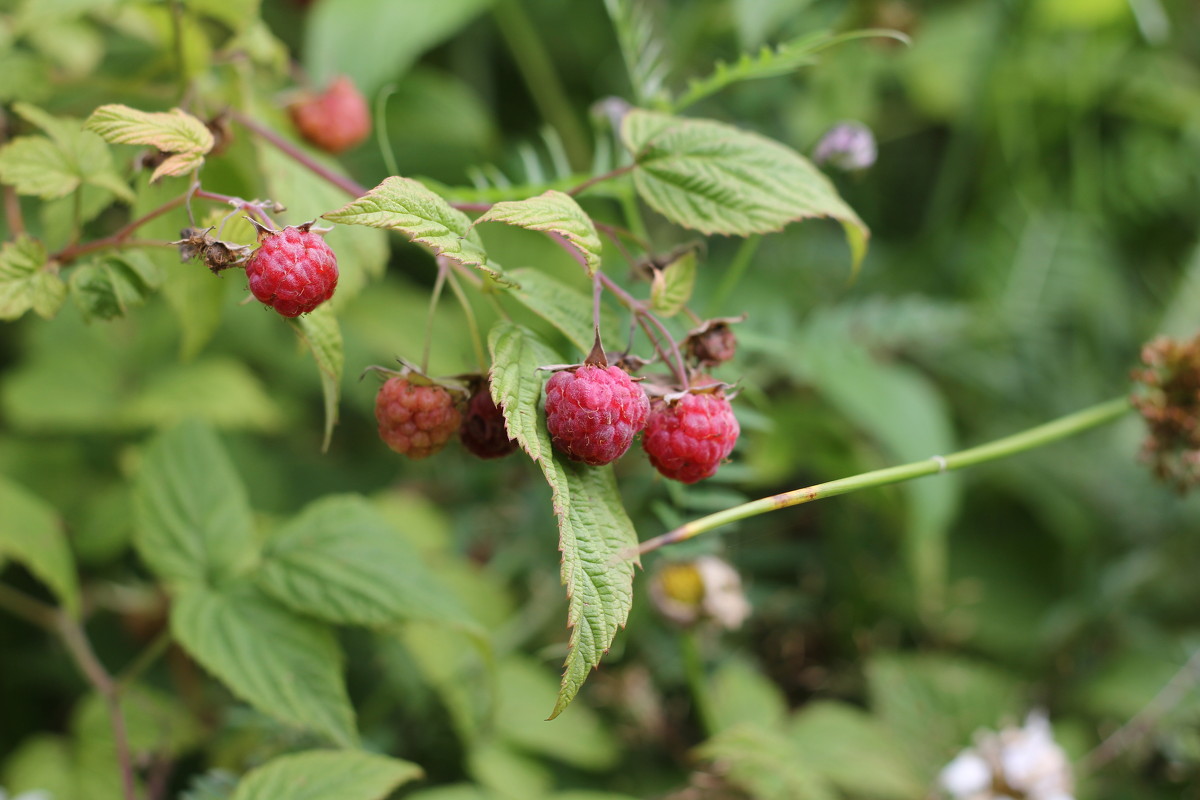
{"type": "Point", "coordinates": [334, 120]}
{"type": "Point", "coordinates": [415, 420]}
{"type": "Point", "coordinates": [687, 439]}
{"type": "Point", "coordinates": [483, 432]}
{"type": "Point", "coordinates": [593, 412]}
{"type": "Point", "coordinates": [293, 270]}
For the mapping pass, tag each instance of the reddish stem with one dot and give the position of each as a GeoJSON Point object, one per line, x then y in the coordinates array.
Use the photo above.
{"type": "Point", "coordinates": [12, 212]}
{"type": "Point", "coordinates": [590, 182]}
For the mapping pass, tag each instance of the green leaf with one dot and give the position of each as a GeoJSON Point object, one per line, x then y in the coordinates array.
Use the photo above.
{"type": "Point", "coordinates": [326, 774]}
{"type": "Point", "coordinates": [672, 285]}
{"type": "Point", "coordinates": [237, 15]}
{"type": "Point", "coordinates": [769, 62]}
{"type": "Point", "coordinates": [562, 305]}
{"type": "Point", "coordinates": [854, 751]}
{"type": "Point", "coordinates": [55, 167]}
{"type": "Point", "coordinates": [339, 560]}
{"type": "Point", "coordinates": [34, 165]}
{"type": "Point", "coordinates": [175, 131]}
{"type": "Point", "coordinates": [552, 212]}
{"type": "Point", "coordinates": [155, 723]}
{"type": "Point", "coordinates": [192, 521]}
{"type": "Point", "coordinates": [285, 665]}
{"type": "Point", "coordinates": [319, 330]}
{"type": "Point", "coordinates": [25, 282]}
{"type": "Point", "coordinates": [337, 42]}
{"type": "Point", "coordinates": [765, 762]}
{"type": "Point", "coordinates": [220, 390]}
{"type": "Point", "coordinates": [115, 283]}
{"type": "Point", "coordinates": [41, 762]}
{"type": "Point", "coordinates": [407, 206]}
{"type": "Point", "coordinates": [196, 298]}
{"type": "Point", "coordinates": [595, 533]}
{"type": "Point", "coordinates": [715, 178]}
{"type": "Point", "coordinates": [741, 693]}
{"type": "Point", "coordinates": [31, 534]}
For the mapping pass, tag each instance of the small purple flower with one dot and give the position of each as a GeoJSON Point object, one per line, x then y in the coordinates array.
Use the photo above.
{"type": "Point", "coordinates": [849, 146]}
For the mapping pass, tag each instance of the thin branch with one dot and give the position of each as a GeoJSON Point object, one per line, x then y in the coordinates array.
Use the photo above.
{"type": "Point", "coordinates": [12, 212]}
{"type": "Point", "coordinates": [19, 604]}
{"type": "Point", "coordinates": [590, 182]}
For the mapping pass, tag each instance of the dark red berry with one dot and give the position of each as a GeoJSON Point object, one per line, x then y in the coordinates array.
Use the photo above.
{"type": "Point", "coordinates": [483, 431]}
{"type": "Point", "coordinates": [293, 271]}
{"type": "Point", "coordinates": [593, 413]}
{"type": "Point", "coordinates": [335, 120]}
{"type": "Point", "coordinates": [688, 439]}
{"type": "Point", "coordinates": [415, 420]}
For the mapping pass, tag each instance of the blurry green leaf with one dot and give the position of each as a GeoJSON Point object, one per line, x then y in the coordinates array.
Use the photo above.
{"type": "Point", "coordinates": [285, 665]}
{"type": "Point", "coordinates": [1081, 13]}
{"type": "Point", "coordinates": [31, 534]}
{"type": "Point", "coordinates": [508, 773]}
{"type": "Point", "coordinates": [114, 283]}
{"type": "Point", "coordinates": [1181, 318]}
{"type": "Point", "coordinates": [42, 762]}
{"type": "Point", "coordinates": [527, 689]}
{"type": "Point", "coordinates": [320, 331]}
{"type": "Point", "coordinates": [326, 774]}
{"type": "Point", "coordinates": [933, 704]}
{"type": "Point", "coordinates": [405, 205]}
{"type": "Point", "coordinates": [740, 693]}
{"type": "Point", "coordinates": [714, 178]}
{"type": "Point", "coordinates": [192, 521]}
{"type": "Point", "coordinates": [24, 281]}
{"type": "Point", "coordinates": [337, 42]}
{"type": "Point", "coordinates": [764, 761]}
{"type": "Point", "coordinates": [553, 212]}
{"type": "Point", "coordinates": [156, 723]}
{"type": "Point", "coordinates": [55, 167]}
{"type": "Point", "coordinates": [76, 47]}
{"type": "Point", "coordinates": [34, 165]}
{"type": "Point", "coordinates": [854, 752]}
{"type": "Point", "coordinates": [342, 562]}
{"type": "Point", "coordinates": [216, 784]}
{"type": "Point", "coordinates": [196, 297]}
{"type": "Point", "coordinates": [595, 533]}
{"type": "Point", "coordinates": [562, 305]}
{"type": "Point", "coordinates": [672, 285]}
{"type": "Point", "coordinates": [25, 76]}
{"type": "Point", "coordinates": [221, 391]}
{"type": "Point", "coordinates": [237, 15]}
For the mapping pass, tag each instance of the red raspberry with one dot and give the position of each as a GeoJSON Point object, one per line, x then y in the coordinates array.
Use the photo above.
{"type": "Point", "coordinates": [293, 271]}
{"type": "Point", "coordinates": [415, 421]}
{"type": "Point", "coordinates": [688, 439]}
{"type": "Point", "coordinates": [483, 431]}
{"type": "Point", "coordinates": [335, 120]}
{"type": "Point", "coordinates": [594, 412]}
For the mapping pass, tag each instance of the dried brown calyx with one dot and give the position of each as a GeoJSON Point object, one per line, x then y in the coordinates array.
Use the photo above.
{"type": "Point", "coordinates": [1169, 401]}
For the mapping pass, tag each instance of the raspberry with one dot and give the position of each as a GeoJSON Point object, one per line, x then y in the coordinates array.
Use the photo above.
{"type": "Point", "coordinates": [293, 271]}
{"type": "Point", "coordinates": [335, 120]}
{"type": "Point", "coordinates": [688, 439]}
{"type": "Point", "coordinates": [483, 431]}
{"type": "Point", "coordinates": [594, 412]}
{"type": "Point", "coordinates": [415, 420]}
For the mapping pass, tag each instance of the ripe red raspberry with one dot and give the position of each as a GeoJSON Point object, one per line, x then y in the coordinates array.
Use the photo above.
{"type": "Point", "coordinates": [594, 412]}
{"type": "Point", "coordinates": [293, 271]}
{"type": "Point", "coordinates": [414, 420]}
{"type": "Point", "coordinates": [688, 439]}
{"type": "Point", "coordinates": [335, 120]}
{"type": "Point", "coordinates": [483, 431]}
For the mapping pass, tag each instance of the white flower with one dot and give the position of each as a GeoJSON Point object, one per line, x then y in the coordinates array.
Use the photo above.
{"type": "Point", "coordinates": [707, 588]}
{"type": "Point", "coordinates": [1023, 761]}
{"type": "Point", "coordinates": [35, 794]}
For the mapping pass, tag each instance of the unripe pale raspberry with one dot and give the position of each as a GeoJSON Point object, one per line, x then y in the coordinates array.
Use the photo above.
{"type": "Point", "coordinates": [687, 440]}
{"type": "Point", "coordinates": [335, 120]}
{"type": "Point", "coordinates": [293, 271]}
{"type": "Point", "coordinates": [593, 412]}
{"type": "Point", "coordinates": [414, 420]}
{"type": "Point", "coordinates": [483, 431]}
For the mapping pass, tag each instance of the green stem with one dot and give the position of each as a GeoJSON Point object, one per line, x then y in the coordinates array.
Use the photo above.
{"type": "Point", "coordinates": [22, 605]}
{"type": "Point", "coordinates": [381, 129]}
{"type": "Point", "coordinates": [1048, 433]}
{"type": "Point", "coordinates": [443, 269]}
{"type": "Point", "coordinates": [693, 668]}
{"type": "Point", "coordinates": [733, 275]}
{"type": "Point", "coordinates": [472, 324]}
{"type": "Point", "coordinates": [144, 659]}
{"type": "Point", "coordinates": [541, 78]}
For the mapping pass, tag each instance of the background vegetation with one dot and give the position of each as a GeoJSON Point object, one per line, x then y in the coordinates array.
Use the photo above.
{"type": "Point", "coordinates": [1033, 223]}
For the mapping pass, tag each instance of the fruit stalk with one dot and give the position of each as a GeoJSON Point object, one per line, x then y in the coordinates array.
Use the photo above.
{"type": "Point", "coordinates": [1048, 433]}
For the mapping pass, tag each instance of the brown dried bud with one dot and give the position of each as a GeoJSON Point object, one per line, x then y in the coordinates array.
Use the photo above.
{"type": "Point", "coordinates": [216, 255]}
{"type": "Point", "coordinates": [713, 342]}
{"type": "Point", "coordinates": [1170, 404]}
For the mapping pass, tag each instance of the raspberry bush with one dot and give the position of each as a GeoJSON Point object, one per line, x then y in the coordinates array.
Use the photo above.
{"type": "Point", "coordinates": [565, 290]}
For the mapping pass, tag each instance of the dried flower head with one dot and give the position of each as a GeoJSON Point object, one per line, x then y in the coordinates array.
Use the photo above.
{"type": "Point", "coordinates": [1021, 762]}
{"type": "Point", "coordinates": [1170, 404]}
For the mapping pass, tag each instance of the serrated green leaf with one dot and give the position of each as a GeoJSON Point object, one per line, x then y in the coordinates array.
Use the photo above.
{"type": "Point", "coordinates": [56, 166]}
{"type": "Point", "coordinates": [113, 284]}
{"type": "Point", "coordinates": [595, 533]}
{"type": "Point", "coordinates": [563, 306]}
{"type": "Point", "coordinates": [407, 206]}
{"type": "Point", "coordinates": [327, 774]}
{"type": "Point", "coordinates": [155, 723]}
{"type": "Point", "coordinates": [285, 665]}
{"type": "Point", "coordinates": [319, 330]}
{"type": "Point", "coordinates": [339, 560]}
{"type": "Point", "coordinates": [192, 521]}
{"type": "Point", "coordinates": [34, 165]}
{"type": "Point", "coordinates": [672, 285]}
{"type": "Point", "coordinates": [24, 281]}
{"type": "Point", "coordinates": [32, 535]}
{"type": "Point", "coordinates": [174, 131]}
{"type": "Point", "coordinates": [715, 178]}
{"type": "Point", "coordinates": [552, 212]}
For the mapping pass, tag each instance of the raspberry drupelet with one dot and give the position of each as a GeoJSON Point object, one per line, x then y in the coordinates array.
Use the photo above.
{"type": "Point", "coordinates": [594, 412]}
